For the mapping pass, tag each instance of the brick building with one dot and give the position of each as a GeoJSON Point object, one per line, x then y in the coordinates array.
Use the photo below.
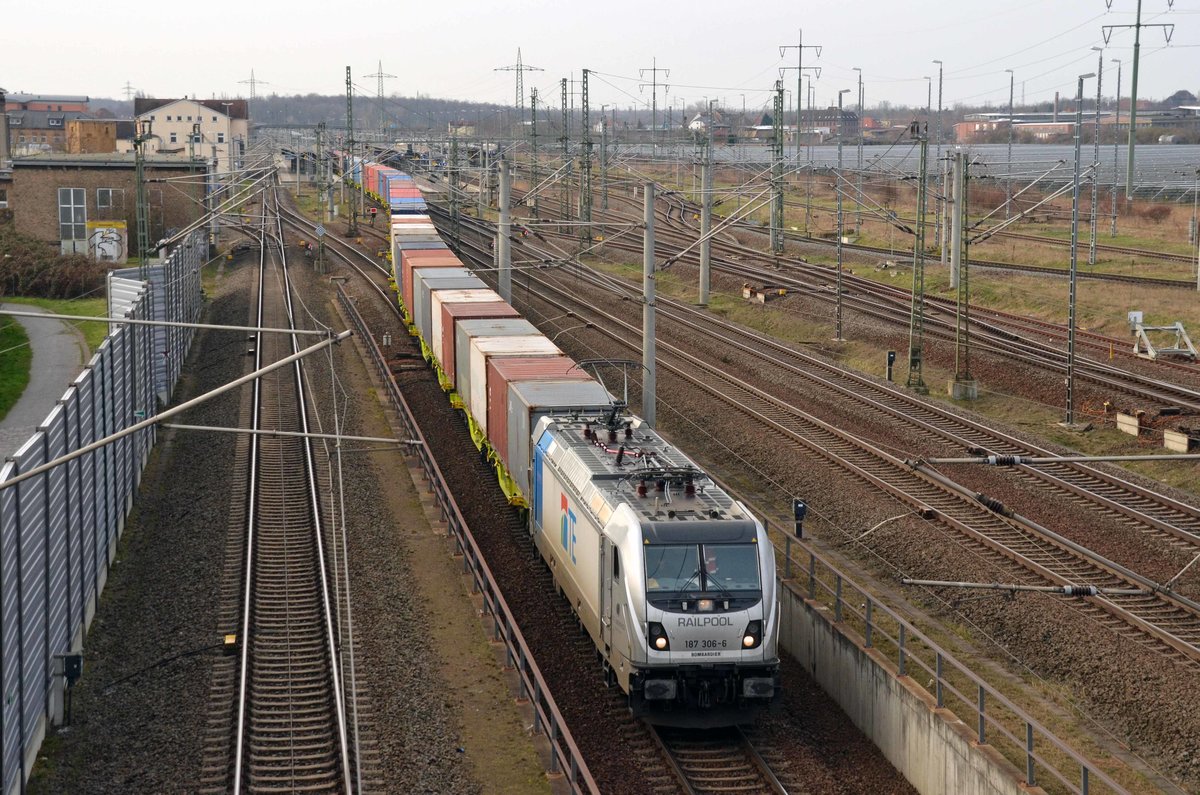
{"type": "Point", "coordinates": [56, 103]}
{"type": "Point", "coordinates": [91, 136]}
{"type": "Point", "coordinates": [54, 197]}
{"type": "Point", "coordinates": [34, 131]}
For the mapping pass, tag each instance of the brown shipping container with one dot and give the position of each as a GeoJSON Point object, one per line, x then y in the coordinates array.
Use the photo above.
{"type": "Point", "coordinates": [503, 371]}
{"type": "Point", "coordinates": [423, 258]}
{"type": "Point", "coordinates": [452, 313]}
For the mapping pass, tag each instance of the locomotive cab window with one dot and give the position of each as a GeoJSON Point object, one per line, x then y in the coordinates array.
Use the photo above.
{"type": "Point", "coordinates": [672, 568]}
{"type": "Point", "coordinates": [702, 568]}
{"type": "Point", "coordinates": [616, 573]}
{"type": "Point", "coordinates": [731, 567]}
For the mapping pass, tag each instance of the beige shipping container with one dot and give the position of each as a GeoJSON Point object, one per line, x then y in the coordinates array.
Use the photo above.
{"type": "Point", "coordinates": [440, 297]}
{"type": "Point", "coordinates": [484, 348]}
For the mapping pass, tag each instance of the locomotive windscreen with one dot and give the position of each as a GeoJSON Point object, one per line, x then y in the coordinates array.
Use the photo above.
{"type": "Point", "coordinates": [701, 568]}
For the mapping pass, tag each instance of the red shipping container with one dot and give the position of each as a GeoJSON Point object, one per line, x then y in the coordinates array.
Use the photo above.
{"type": "Point", "coordinates": [451, 313]}
{"type": "Point", "coordinates": [502, 370]}
{"type": "Point", "coordinates": [423, 258]}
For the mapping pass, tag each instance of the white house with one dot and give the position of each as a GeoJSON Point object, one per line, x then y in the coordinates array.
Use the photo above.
{"type": "Point", "coordinates": [216, 128]}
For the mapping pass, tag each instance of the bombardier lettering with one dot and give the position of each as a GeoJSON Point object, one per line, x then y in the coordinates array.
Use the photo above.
{"type": "Point", "coordinates": [705, 621]}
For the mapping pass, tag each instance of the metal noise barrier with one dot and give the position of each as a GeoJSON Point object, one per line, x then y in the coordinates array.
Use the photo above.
{"type": "Point", "coordinates": [59, 530]}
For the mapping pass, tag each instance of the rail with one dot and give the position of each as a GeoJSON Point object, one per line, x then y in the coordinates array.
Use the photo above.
{"type": "Point", "coordinates": [565, 757]}
{"type": "Point", "coordinates": [998, 721]}
{"type": "Point", "coordinates": [1011, 730]}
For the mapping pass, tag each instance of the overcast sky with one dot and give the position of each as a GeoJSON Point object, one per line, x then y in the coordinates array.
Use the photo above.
{"type": "Point", "coordinates": [726, 49]}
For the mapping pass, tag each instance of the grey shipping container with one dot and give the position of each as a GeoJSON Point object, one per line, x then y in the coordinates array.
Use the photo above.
{"type": "Point", "coordinates": [529, 401]}
{"type": "Point", "coordinates": [437, 278]}
{"type": "Point", "coordinates": [414, 245]}
{"type": "Point", "coordinates": [397, 248]}
{"type": "Point", "coordinates": [466, 330]}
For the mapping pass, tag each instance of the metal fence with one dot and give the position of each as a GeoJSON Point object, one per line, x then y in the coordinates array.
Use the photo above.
{"type": "Point", "coordinates": [59, 529]}
{"type": "Point", "coordinates": [1047, 760]}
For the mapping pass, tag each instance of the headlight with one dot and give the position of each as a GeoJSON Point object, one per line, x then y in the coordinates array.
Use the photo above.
{"type": "Point", "coordinates": [752, 637]}
{"type": "Point", "coordinates": [658, 637]}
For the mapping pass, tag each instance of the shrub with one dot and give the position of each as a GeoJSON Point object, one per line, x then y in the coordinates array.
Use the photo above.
{"type": "Point", "coordinates": [34, 268]}
{"type": "Point", "coordinates": [1155, 213]}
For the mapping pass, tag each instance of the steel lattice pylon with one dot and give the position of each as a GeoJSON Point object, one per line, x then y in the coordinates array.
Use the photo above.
{"type": "Point", "coordinates": [777, 171]}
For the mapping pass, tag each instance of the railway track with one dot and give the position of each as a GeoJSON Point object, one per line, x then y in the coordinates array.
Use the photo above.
{"type": "Point", "coordinates": [686, 208]}
{"type": "Point", "coordinates": [668, 763]}
{"type": "Point", "coordinates": [718, 761]}
{"type": "Point", "coordinates": [288, 727]}
{"type": "Point", "coordinates": [1125, 250]}
{"type": "Point", "coordinates": [1001, 333]}
{"type": "Point", "coordinates": [1147, 614]}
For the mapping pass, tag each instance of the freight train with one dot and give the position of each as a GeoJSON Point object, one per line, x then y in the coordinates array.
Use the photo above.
{"type": "Point", "coordinates": [672, 578]}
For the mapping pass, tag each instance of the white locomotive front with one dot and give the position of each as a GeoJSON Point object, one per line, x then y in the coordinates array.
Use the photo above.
{"type": "Point", "coordinates": [673, 579]}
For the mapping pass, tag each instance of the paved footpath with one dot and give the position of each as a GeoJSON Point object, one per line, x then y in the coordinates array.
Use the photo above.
{"type": "Point", "coordinates": [59, 352]}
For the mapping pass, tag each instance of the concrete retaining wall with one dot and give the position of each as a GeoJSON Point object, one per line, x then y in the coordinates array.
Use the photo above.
{"type": "Point", "coordinates": [931, 747]}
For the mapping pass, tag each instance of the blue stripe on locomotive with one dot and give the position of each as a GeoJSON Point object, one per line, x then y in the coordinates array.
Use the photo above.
{"type": "Point", "coordinates": [539, 455]}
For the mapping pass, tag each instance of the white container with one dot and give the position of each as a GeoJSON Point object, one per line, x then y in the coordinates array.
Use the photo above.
{"type": "Point", "coordinates": [439, 297]}
{"type": "Point", "coordinates": [483, 348]}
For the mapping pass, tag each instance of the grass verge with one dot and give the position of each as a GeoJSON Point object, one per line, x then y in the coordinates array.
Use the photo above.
{"type": "Point", "coordinates": [15, 361]}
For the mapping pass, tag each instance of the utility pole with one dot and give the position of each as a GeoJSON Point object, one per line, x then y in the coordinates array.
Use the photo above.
{"type": "Point", "coordinates": [520, 68]}
{"type": "Point", "coordinates": [352, 225]}
{"type": "Point", "coordinates": [858, 199]}
{"type": "Point", "coordinates": [939, 234]}
{"type": "Point", "coordinates": [193, 139]}
{"type": "Point", "coordinates": [585, 181]}
{"type": "Point", "coordinates": [1116, 149]}
{"type": "Point", "coordinates": [129, 91]}
{"type": "Point", "coordinates": [1096, 160]}
{"type": "Point", "coordinates": [916, 323]}
{"type": "Point", "coordinates": [565, 141]}
{"type": "Point", "coordinates": [654, 70]}
{"type": "Point", "coordinates": [650, 376]}
{"type": "Point", "coordinates": [799, 47]}
{"type": "Point", "coordinates": [482, 198]}
{"type": "Point", "coordinates": [379, 76]}
{"type": "Point", "coordinates": [603, 159]}
{"type": "Point", "coordinates": [1008, 176]}
{"type": "Point", "coordinates": [1168, 31]}
{"type": "Point", "coordinates": [454, 211]}
{"type": "Point", "coordinates": [706, 183]}
{"type": "Point", "coordinates": [808, 176]}
{"type": "Point", "coordinates": [777, 172]}
{"type": "Point", "coordinates": [841, 231]}
{"type": "Point", "coordinates": [1070, 416]}
{"type": "Point", "coordinates": [143, 210]}
{"type": "Point", "coordinates": [964, 387]}
{"type": "Point", "coordinates": [503, 242]}
{"type": "Point", "coordinates": [319, 168]}
{"type": "Point", "coordinates": [533, 169]}
{"type": "Point", "coordinates": [953, 200]}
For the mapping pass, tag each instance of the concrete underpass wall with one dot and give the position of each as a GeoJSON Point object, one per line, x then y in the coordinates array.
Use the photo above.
{"type": "Point", "coordinates": [931, 747]}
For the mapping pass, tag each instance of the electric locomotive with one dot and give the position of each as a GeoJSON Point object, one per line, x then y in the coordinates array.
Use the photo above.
{"type": "Point", "coordinates": [673, 579]}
